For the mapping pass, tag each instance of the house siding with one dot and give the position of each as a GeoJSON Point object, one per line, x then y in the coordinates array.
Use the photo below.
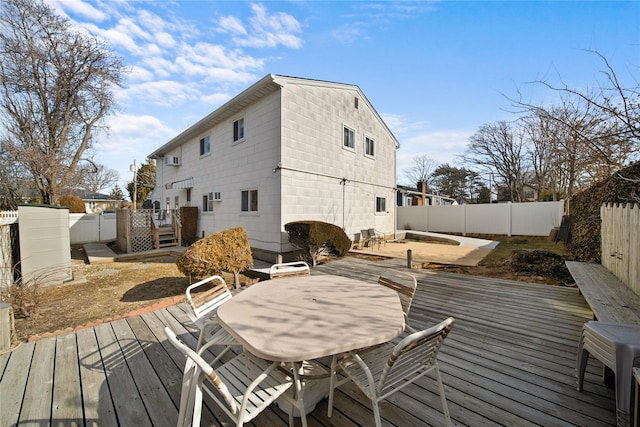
{"type": "Point", "coordinates": [313, 117]}
{"type": "Point", "coordinates": [295, 129]}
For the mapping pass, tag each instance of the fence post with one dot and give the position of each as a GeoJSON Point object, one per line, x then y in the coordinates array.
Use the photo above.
{"type": "Point", "coordinates": [409, 259]}
{"type": "Point", "coordinates": [5, 325]}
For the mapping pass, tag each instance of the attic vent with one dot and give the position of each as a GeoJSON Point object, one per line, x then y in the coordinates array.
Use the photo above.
{"type": "Point", "coordinates": [355, 102]}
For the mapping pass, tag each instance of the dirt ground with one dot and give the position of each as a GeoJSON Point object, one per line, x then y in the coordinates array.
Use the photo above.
{"type": "Point", "coordinates": [106, 291]}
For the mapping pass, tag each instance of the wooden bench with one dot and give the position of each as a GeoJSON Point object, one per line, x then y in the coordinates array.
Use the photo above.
{"type": "Point", "coordinates": [609, 298]}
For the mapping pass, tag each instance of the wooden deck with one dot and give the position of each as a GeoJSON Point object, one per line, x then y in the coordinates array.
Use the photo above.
{"type": "Point", "coordinates": [509, 360]}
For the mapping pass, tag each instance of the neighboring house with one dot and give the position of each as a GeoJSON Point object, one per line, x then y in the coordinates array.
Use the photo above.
{"type": "Point", "coordinates": [529, 194]}
{"type": "Point", "coordinates": [408, 196]}
{"type": "Point", "coordinates": [97, 202]}
{"type": "Point", "coordinates": [285, 149]}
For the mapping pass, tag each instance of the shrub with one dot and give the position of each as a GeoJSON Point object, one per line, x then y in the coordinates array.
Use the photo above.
{"type": "Point", "coordinates": [228, 250]}
{"type": "Point", "coordinates": [75, 204]}
{"type": "Point", "coordinates": [315, 238]}
{"type": "Point", "coordinates": [584, 239]}
{"type": "Point", "coordinates": [540, 262]}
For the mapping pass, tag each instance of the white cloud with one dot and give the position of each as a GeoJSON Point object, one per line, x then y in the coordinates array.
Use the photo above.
{"type": "Point", "coordinates": [81, 8]}
{"type": "Point", "coordinates": [442, 146]}
{"type": "Point", "coordinates": [231, 25]}
{"type": "Point", "coordinates": [416, 138]}
{"type": "Point", "coordinates": [138, 73]}
{"type": "Point", "coordinates": [267, 30]}
{"type": "Point", "coordinates": [131, 137]}
{"type": "Point", "coordinates": [215, 99]}
{"type": "Point", "coordinates": [166, 93]}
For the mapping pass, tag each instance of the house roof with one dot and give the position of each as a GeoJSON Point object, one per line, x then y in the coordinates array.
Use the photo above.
{"type": "Point", "coordinates": [88, 195]}
{"type": "Point", "coordinates": [263, 87]}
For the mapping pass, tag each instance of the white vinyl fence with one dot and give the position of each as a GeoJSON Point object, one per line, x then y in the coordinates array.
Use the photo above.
{"type": "Point", "coordinates": [83, 228]}
{"type": "Point", "coordinates": [511, 219]}
{"type": "Point", "coordinates": [86, 228]}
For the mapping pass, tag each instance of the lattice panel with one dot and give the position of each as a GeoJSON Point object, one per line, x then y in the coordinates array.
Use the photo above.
{"type": "Point", "coordinates": [141, 237]}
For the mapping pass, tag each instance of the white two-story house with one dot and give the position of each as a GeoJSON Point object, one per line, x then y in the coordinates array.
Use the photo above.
{"type": "Point", "coordinates": [285, 149]}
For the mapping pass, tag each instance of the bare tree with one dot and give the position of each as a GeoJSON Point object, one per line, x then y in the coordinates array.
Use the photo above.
{"type": "Point", "coordinates": [56, 87]}
{"type": "Point", "coordinates": [423, 167]}
{"type": "Point", "coordinates": [602, 122]}
{"type": "Point", "coordinates": [95, 177]}
{"type": "Point", "coordinates": [498, 148]}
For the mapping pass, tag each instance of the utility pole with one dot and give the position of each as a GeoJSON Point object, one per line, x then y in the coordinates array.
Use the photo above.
{"type": "Point", "coordinates": [133, 169]}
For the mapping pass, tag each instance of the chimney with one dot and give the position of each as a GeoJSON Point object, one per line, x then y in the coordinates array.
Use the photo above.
{"type": "Point", "coordinates": [422, 186]}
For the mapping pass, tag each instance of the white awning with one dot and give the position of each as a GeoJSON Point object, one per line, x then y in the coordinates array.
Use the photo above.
{"type": "Point", "coordinates": [185, 183]}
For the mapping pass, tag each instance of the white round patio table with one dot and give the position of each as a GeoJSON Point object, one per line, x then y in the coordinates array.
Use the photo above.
{"type": "Point", "coordinates": [305, 318]}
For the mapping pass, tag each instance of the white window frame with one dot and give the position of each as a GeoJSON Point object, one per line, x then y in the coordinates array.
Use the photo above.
{"type": "Point", "coordinates": [249, 201]}
{"type": "Point", "coordinates": [207, 202]}
{"type": "Point", "coordinates": [377, 206]}
{"type": "Point", "coordinates": [368, 138]}
{"type": "Point", "coordinates": [239, 130]}
{"type": "Point", "coordinates": [350, 143]}
{"type": "Point", "coordinates": [204, 145]}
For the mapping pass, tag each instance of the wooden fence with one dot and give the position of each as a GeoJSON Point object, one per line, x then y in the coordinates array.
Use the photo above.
{"type": "Point", "coordinates": [620, 242]}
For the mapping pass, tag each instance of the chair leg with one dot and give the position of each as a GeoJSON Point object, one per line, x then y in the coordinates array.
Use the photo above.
{"type": "Point", "coordinates": [332, 383]}
{"type": "Point", "coordinates": [187, 395]}
{"type": "Point", "coordinates": [445, 407]}
{"type": "Point", "coordinates": [376, 412]}
{"type": "Point", "coordinates": [581, 365]}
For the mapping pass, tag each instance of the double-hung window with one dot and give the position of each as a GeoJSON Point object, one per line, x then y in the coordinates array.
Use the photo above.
{"type": "Point", "coordinates": [238, 130]}
{"type": "Point", "coordinates": [381, 205]}
{"type": "Point", "coordinates": [249, 201]}
{"type": "Point", "coordinates": [205, 145]}
{"type": "Point", "coordinates": [207, 202]}
{"type": "Point", "coordinates": [369, 146]}
{"type": "Point", "coordinates": [348, 138]}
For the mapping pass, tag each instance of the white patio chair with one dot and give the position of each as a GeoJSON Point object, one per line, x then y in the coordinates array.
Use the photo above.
{"type": "Point", "coordinates": [201, 310]}
{"type": "Point", "coordinates": [366, 239]}
{"type": "Point", "coordinates": [382, 370]}
{"type": "Point", "coordinates": [376, 237]}
{"type": "Point", "coordinates": [243, 387]}
{"type": "Point", "coordinates": [289, 269]}
{"type": "Point", "coordinates": [405, 285]}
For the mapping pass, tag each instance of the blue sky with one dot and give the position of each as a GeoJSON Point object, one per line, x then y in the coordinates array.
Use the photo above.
{"type": "Point", "coordinates": [435, 71]}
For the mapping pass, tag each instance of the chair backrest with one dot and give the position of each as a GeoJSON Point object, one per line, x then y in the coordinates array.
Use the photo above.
{"type": "Point", "coordinates": [196, 364]}
{"type": "Point", "coordinates": [205, 303]}
{"type": "Point", "coordinates": [415, 354]}
{"type": "Point", "coordinates": [404, 284]}
{"type": "Point", "coordinates": [287, 269]}
{"type": "Point", "coordinates": [365, 234]}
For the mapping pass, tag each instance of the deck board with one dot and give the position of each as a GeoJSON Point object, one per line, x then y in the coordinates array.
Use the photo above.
{"type": "Point", "coordinates": [509, 360]}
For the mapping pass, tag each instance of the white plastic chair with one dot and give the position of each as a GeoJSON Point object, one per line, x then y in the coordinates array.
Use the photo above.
{"type": "Point", "coordinates": [289, 269]}
{"type": "Point", "coordinates": [405, 285]}
{"type": "Point", "coordinates": [243, 387]}
{"type": "Point", "coordinates": [202, 315]}
{"type": "Point", "coordinates": [382, 370]}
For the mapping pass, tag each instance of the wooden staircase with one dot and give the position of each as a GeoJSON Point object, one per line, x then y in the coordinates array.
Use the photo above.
{"type": "Point", "coordinates": [166, 237]}
{"type": "Point", "coordinates": [166, 234]}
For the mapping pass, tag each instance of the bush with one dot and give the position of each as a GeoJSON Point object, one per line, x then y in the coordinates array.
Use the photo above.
{"type": "Point", "coordinates": [228, 250]}
{"type": "Point", "coordinates": [541, 263]}
{"type": "Point", "coordinates": [584, 239]}
{"type": "Point", "coordinates": [315, 238]}
{"type": "Point", "coordinates": [75, 204]}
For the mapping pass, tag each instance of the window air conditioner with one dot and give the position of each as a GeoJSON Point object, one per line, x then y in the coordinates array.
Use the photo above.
{"type": "Point", "coordinates": [172, 161]}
